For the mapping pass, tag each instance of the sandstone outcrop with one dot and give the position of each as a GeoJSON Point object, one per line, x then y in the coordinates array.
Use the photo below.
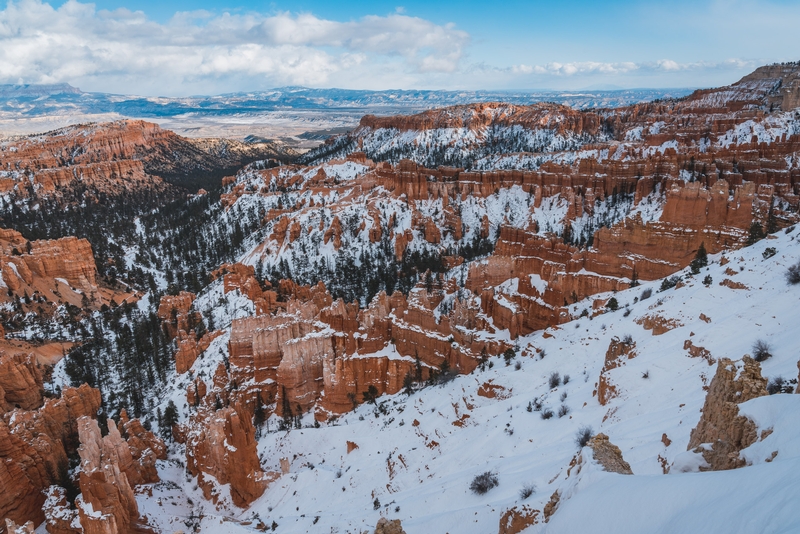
{"type": "Point", "coordinates": [517, 519]}
{"type": "Point", "coordinates": [107, 504]}
{"type": "Point", "coordinates": [61, 519]}
{"type": "Point", "coordinates": [34, 447]}
{"type": "Point", "coordinates": [721, 432]}
{"type": "Point", "coordinates": [58, 271]}
{"type": "Point", "coordinates": [221, 449]}
{"type": "Point", "coordinates": [175, 313]}
{"type": "Point", "coordinates": [618, 352]}
{"type": "Point", "coordinates": [387, 526]}
{"type": "Point", "coordinates": [20, 382]}
{"type": "Point", "coordinates": [608, 455]}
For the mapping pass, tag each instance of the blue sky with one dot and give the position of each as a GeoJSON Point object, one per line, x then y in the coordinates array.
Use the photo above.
{"type": "Point", "coordinates": [201, 47]}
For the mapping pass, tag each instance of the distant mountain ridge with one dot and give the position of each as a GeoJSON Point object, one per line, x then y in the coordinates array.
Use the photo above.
{"type": "Point", "coordinates": [41, 100]}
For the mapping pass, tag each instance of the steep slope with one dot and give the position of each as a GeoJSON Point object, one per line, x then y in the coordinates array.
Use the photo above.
{"type": "Point", "coordinates": [414, 457]}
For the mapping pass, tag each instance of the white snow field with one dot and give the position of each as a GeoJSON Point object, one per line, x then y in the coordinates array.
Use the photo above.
{"type": "Point", "coordinates": [418, 454]}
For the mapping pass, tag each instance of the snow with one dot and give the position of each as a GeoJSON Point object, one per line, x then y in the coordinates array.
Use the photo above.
{"type": "Point", "coordinates": [419, 465]}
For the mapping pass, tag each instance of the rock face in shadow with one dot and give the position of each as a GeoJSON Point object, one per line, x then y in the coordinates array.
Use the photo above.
{"type": "Point", "coordinates": [722, 433]}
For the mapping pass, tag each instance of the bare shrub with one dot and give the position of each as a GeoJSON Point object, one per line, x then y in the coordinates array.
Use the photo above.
{"type": "Point", "coordinates": [583, 436]}
{"type": "Point", "coordinates": [483, 483]}
{"type": "Point", "coordinates": [761, 350]}
{"type": "Point", "coordinates": [646, 294]}
{"type": "Point", "coordinates": [563, 410]}
{"type": "Point", "coordinates": [793, 274]}
{"type": "Point", "coordinates": [547, 413]}
{"type": "Point", "coordinates": [526, 491]}
{"type": "Point", "coordinates": [554, 380]}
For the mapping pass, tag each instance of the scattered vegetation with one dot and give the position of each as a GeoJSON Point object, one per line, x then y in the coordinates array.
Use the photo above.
{"type": "Point", "coordinates": [526, 491]}
{"type": "Point", "coordinates": [547, 413]}
{"type": "Point", "coordinates": [793, 274]}
{"type": "Point", "coordinates": [707, 281]}
{"type": "Point", "coordinates": [554, 380]}
{"type": "Point", "coordinates": [646, 294]}
{"type": "Point", "coordinates": [612, 304]}
{"type": "Point", "coordinates": [482, 483]}
{"type": "Point", "coordinates": [583, 436]}
{"type": "Point", "coordinates": [779, 385]}
{"type": "Point", "coordinates": [563, 410]}
{"type": "Point", "coordinates": [761, 350]}
{"type": "Point", "coordinates": [669, 282]}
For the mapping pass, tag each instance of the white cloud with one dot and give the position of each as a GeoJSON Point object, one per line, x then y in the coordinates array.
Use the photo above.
{"type": "Point", "coordinates": [124, 51]}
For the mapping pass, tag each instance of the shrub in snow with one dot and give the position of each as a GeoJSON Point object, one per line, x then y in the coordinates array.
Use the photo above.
{"type": "Point", "coordinates": [483, 483]}
{"type": "Point", "coordinates": [628, 339]}
{"type": "Point", "coordinates": [547, 413]}
{"type": "Point", "coordinates": [612, 304]}
{"type": "Point", "coordinates": [707, 281]}
{"type": "Point", "coordinates": [563, 410]}
{"type": "Point", "coordinates": [793, 274]}
{"type": "Point", "coordinates": [555, 379]}
{"type": "Point", "coordinates": [565, 380]}
{"type": "Point", "coordinates": [669, 283]}
{"type": "Point", "coordinates": [780, 385]}
{"type": "Point", "coordinates": [583, 436]}
{"type": "Point", "coordinates": [769, 252]}
{"type": "Point", "coordinates": [646, 294]}
{"type": "Point", "coordinates": [518, 365]}
{"type": "Point", "coordinates": [526, 491]}
{"type": "Point", "coordinates": [761, 350]}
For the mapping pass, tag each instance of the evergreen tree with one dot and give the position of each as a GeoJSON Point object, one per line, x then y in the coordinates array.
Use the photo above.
{"type": "Point", "coordinates": [169, 419]}
{"type": "Point", "coordinates": [700, 259]}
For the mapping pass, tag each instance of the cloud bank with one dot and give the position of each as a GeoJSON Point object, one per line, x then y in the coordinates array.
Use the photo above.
{"type": "Point", "coordinates": [111, 50]}
{"type": "Point", "coordinates": [199, 52]}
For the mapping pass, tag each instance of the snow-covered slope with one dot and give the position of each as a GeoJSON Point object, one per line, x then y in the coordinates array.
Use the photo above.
{"type": "Point", "coordinates": [417, 455]}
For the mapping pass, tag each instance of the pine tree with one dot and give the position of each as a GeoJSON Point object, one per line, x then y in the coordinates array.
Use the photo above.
{"type": "Point", "coordinates": [700, 259]}
{"type": "Point", "coordinates": [169, 419]}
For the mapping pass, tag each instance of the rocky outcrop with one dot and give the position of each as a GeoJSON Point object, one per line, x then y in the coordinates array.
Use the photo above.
{"type": "Point", "coordinates": [608, 455]}
{"type": "Point", "coordinates": [221, 449]}
{"type": "Point", "coordinates": [387, 526]}
{"type": "Point", "coordinates": [107, 504]}
{"type": "Point", "coordinates": [57, 271]}
{"type": "Point", "coordinates": [175, 313]}
{"type": "Point", "coordinates": [517, 519]}
{"type": "Point", "coordinates": [721, 432]}
{"type": "Point", "coordinates": [34, 446]}
{"type": "Point", "coordinates": [119, 157]}
{"type": "Point", "coordinates": [61, 519]}
{"type": "Point", "coordinates": [618, 352]}
{"type": "Point", "coordinates": [20, 382]}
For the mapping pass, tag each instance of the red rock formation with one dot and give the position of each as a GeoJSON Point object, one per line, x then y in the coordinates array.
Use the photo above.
{"type": "Point", "coordinates": [59, 270]}
{"type": "Point", "coordinates": [175, 312]}
{"type": "Point", "coordinates": [618, 351]}
{"type": "Point", "coordinates": [20, 382]}
{"type": "Point", "coordinates": [61, 519]}
{"type": "Point", "coordinates": [221, 449]}
{"type": "Point", "coordinates": [517, 519]}
{"type": "Point", "coordinates": [34, 447]}
{"type": "Point", "coordinates": [721, 427]}
{"type": "Point", "coordinates": [107, 504]}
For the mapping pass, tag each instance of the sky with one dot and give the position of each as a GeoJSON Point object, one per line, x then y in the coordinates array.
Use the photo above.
{"type": "Point", "coordinates": [192, 47]}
